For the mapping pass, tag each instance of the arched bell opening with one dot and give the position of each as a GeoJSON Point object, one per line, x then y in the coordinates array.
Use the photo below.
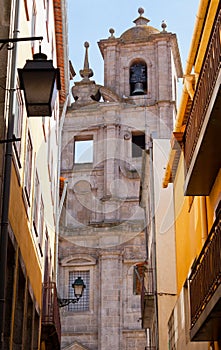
{"type": "Point", "coordinates": [138, 78]}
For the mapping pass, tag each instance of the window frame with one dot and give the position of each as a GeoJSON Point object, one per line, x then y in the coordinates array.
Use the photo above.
{"type": "Point", "coordinates": [83, 305]}
{"type": "Point", "coordinates": [137, 147]}
{"type": "Point", "coordinates": [83, 138]}
{"type": "Point", "coordinates": [145, 83]}
{"type": "Point", "coordinates": [28, 168]}
{"type": "Point", "coordinates": [36, 204]}
{"type": "Point", "coordinates": [18, 125]}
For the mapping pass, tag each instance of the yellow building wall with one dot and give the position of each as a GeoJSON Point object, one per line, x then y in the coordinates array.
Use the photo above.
{"type": "Point", "coordinates": [189, 217]}
{"type": "Point", "coordinates": [19, 223]}
{"type": "Point", "coordinates": [188, 227]}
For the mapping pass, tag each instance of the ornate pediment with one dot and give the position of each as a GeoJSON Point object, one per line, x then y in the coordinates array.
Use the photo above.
{"type": "Point", "coordinates": [75, 346]}
{"type": "Point", "coordinates": [78, 260]}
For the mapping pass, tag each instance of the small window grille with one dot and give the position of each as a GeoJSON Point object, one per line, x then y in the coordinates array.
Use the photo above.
{"type": "Point", "coordinates": [83, 303]}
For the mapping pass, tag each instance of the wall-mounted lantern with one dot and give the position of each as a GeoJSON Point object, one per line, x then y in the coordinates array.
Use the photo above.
{"type": "Point", "coordinates": [40, 82]}
{"type": "Point", "coordinates": [78, 287]}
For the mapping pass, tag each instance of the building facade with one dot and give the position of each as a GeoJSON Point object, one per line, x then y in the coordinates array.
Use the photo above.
{"type": "Point", "coordinates": [194, 168]}
{"type": "Point", "coordinates": [29, 315]}
{"type": "Point", "coordinates": [103, 227]}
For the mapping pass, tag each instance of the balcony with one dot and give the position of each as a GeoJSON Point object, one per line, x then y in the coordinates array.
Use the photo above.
{"type": "Point", "coordinates": [202, 141]}
{"type": "Point", "coordinates": [147, 299]}
{"type": "Point", "coordinates": [205, 288]}
{"type": "Point", "coordinates": [50, 326]}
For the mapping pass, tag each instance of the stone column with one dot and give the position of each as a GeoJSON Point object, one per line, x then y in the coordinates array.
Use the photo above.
{"type": "Point", "coordinates": [110, 304]}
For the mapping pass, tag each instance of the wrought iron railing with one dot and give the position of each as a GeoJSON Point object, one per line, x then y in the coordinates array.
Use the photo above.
{"type": "Point", "coordinates": [147, 295]}
{"type": "Point", "coordinates": [206, 273]}
{"type": "Point", "coordinates": [149, 285]}
{"type": "Point", "coordinates": [50, 312]}
{"type": "Point", "coordinates": [204, 90]}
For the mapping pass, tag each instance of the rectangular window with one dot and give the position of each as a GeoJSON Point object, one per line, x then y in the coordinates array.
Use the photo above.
{"type": "Point", "coordinates": [41, 226]}
{"type": "Point", "coordinates": [28, 167]}
{"type": "Point", "coordinates": [83, 150]}
{"type": "Point", "coordinates": [36, 204]}
{"type": "Point", "coordinates": [138, 274]}
{"type": "Point", "coordinates": [52, 179]}
{"type": "Point", "coordinates": [138, 143]}
{"type": "Point", "coordinates": [49, 150]}
{"type": "Point", "coordinates": [19, 107]}
{"type": "Point", "coordinates": [83, 303]}
{"type": "Point", "coordinates": [47, 260]}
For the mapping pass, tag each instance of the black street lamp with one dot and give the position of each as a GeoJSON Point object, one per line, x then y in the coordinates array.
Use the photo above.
{"type": "Point", "coordinates": [40, 82]}
{"type": "Point", "coordinates": [78, 287]}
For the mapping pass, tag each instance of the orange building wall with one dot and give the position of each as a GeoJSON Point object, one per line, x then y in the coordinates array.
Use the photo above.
{"type": "Point", "coordinates": [23, 236]}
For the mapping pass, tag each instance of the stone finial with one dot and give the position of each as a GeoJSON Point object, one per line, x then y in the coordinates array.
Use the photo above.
{"type": "Point", "coordinates": [163, 26]}
{"type": "Point", "coordinates": [141, 20]}
{"type": "Point", "coordinates": [141, 11]}
{"type": "Point", "coordinates": [111, 31]}
{"type": "Point", "coordinates": [86, 72]}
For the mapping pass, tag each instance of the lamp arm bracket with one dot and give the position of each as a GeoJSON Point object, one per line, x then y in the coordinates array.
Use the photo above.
{"type": "Point", "coordinates": [65, 302]}
{"type": "Point", "coordinates": [8, 41]}
{"type": "Point", "coordinates": [14, 139]}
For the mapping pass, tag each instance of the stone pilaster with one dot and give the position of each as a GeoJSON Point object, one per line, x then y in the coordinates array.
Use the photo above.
{"type": "Point", "coordinates": [110, 305]}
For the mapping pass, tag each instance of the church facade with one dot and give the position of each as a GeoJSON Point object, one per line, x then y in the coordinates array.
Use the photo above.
{"type": "Point", "coordinates": [103, 235]}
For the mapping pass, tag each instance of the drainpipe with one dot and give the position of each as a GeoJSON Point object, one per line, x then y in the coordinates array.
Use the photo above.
{"type": "Point", "coordinates": [59, 204]}
{"type": "Point", "coordinates": [153, 225]}
{"type": "Point", "coordinates": [6, 183]}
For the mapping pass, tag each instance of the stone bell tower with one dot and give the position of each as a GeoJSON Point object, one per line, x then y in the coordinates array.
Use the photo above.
{"type": "Point", "coordinates": [102, 225]}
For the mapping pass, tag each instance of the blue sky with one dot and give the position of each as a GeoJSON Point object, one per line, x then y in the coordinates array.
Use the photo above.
{"type": "Point", "coordinates": [91, 20]}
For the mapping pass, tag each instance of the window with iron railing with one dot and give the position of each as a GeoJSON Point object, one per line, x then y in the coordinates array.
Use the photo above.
{"type": "Point", "coordinates": [84, 302]}
{"type": "Point", "coordinates": [204, 279]}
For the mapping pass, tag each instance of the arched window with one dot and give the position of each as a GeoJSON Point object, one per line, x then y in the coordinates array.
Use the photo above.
{"type": "Point", "coordinates": [138, 78]}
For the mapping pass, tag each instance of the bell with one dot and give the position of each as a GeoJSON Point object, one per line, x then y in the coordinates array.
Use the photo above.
{"type": "Point", "coordinates": [138, 89]}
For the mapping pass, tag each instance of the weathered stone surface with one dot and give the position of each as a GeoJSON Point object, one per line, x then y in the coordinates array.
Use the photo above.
{"type": "Point", "coordinates": [102, 220]}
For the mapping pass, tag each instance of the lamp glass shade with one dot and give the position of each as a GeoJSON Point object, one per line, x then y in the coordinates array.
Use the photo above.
{"type": "Point", "coordinates": [40, 82]}
{"type": "Point", "coordinates": [78, 286]}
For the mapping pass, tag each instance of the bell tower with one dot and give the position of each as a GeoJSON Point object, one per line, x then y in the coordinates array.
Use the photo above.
{"type": "Point", "coordinates": [144, 65]}
{"type": "Point", "coordinates": [102, 226]}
